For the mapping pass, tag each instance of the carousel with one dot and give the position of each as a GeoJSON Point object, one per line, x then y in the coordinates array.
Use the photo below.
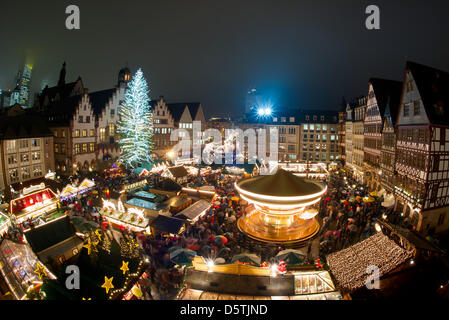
{"type": "Point", "coordinates": [280, 207]}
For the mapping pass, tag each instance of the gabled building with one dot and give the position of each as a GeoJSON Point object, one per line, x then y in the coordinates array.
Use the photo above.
{"type": "Point", "coordinates": [341, 131]}
{"type": "Point", "coordinates": [170, 116]}
{"type": "Point", "coordinates": [358, 137]}
{"type": "Point", "coordinates": [379, 92]}
{"type": "Point", "coordinates": [388, 152]}
{"type": "Point", "coordinates": [422, 148]}
{"type": "Point", "coordinates": [348, 136]}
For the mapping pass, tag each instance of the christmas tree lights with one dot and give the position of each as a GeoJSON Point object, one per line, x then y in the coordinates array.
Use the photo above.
{"type": "Point", "coordinates": [135, 124]}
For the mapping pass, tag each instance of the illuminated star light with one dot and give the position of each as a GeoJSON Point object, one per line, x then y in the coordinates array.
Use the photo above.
{"type": "Point", "coordinates": [108, 284]}
{"type": "Point", "coordinates": [40, 271]}
{"type": "Point", "coordinates": [124, 267]}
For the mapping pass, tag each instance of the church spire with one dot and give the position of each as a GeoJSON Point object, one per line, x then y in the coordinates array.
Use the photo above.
{"type": "Point", "coordinates": [61, 81]}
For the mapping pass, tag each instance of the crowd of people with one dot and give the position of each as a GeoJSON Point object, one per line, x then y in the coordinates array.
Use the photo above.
{"type": "Point", "coordinates": [346, 219]}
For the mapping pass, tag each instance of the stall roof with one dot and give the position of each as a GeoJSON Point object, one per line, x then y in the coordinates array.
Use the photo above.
{"type": "Point", "coordinates": [178, 172]}
{"type": "Point", "coordinates": [194, 211]}
{"type": "Point", "coordinates": [177, 201]}
{"type": "Point", "coordinates": [50, 234]}
{"type": "Point", "coordinates": [167, 224]}
{"type": "Point", "coordinates": [145, 204]}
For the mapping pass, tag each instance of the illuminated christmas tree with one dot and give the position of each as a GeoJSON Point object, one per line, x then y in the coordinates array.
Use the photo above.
{"type": "Point", "coordinates": [135, 125]}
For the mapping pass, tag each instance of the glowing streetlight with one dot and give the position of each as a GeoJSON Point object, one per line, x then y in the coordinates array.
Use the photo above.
{"type": "Point", "coordinates": [377, 227]}
{"type": "Point", "coordinates": [210, 265]}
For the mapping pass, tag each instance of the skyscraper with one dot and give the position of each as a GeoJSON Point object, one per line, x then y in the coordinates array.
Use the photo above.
{"type": "Point", "coordinates": [23, 86]}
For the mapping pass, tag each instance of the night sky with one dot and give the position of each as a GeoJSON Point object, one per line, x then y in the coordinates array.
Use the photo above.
{"type": "Point", "coordinates": [303, 54]}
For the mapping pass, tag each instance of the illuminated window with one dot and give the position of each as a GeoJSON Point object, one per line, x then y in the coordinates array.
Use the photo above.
{"type": "Point", "coordinates": [56, 148]}
{"type": "Point", "coordinates": [63, 133]}
{"type": "Point", "coordinates": [77, 148]}
{"type": "Point", "coordinates": [63, 148]}
{"type": "Point", "coordinates": [102, 134]}
{"type": "Point", "coordinates": [92, 132]}
{"type": "Point", "coordinates": [111, 130]}
{"type": "Point", "coordinates": [56, 133]}
{"type": "Point", "coordinates": [77, 133]}
{"type": "Point", "coordinates": [84, 133]}
{"type": "Point", "coordinates": [92, 147]}
{"type": "Point", "coordinates": [84, 147]}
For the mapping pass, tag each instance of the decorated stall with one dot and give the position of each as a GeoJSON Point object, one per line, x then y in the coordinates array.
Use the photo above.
{"type": "Point", "coordinates": [5, 223]}
{"type": "Point", "coordinates": [34, 201]}
{"type": "Point", "coordinates": [21, 269]}
{"type": "Point", "coordinates": [119, 217]}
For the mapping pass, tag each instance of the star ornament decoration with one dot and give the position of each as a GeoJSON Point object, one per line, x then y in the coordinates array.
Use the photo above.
{"type": "Point", "coordinates": [98, 233]}
{"type": "Point", "coordinates": [124, 267]}
{"type": "Point", "coordinates": [108, 284]}
{"type": "Point", "coordinates": [40, 271]}
{"type": "Point", "coordinates": [91, 246]}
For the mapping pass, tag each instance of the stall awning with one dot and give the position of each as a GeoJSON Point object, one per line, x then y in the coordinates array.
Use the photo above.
{"type": "Point", "coordinates": [194, 211]}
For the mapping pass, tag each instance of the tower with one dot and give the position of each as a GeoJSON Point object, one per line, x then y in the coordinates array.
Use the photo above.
{"type": "Point", "coordinates": [124, 76]}
{"type": "Point", "coordinates": [62, 74]}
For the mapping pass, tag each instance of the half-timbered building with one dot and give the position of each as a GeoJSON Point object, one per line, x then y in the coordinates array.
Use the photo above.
{"type": "Point", "coordinates": [422, 148]}
{"type": "Point", "coordinates": [379, 92]}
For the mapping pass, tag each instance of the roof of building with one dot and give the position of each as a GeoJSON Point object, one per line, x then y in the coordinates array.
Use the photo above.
{"type": "Point", "coordinates": [388, 92]}
{"type": "Point", "coordinates": [99, 99]}
{"type": "Point", "coordinates": [178, 172]}
{"type": "Point", "coordinates": [50, 234]}
{"type": "Point", "coordinates": [60, 113]}
{"type": "Point", "coordinates": [23, 126]}
{"type": "Point", "coordinates": [167, 224]}
{"type": "Point", "coordinates": [433, 87]}
{"type": "Point", "coordinates": [195, 210]}
{"type": "Point", "coordinates": [177, 109]}
{"type": "Point", "coordinates": [281, 184]}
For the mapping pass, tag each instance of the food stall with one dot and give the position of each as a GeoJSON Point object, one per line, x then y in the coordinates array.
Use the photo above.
{"type": "Point", "coordinates": [34, 201]}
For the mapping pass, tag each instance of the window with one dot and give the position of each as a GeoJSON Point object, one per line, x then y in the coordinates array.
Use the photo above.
{"type": "Point", "coordinates": [12, 159]}
{"type": "Point", "coordinates": [312, 127]}
{"type": "Point", "coordinates": [37, 170]}
{"type": "Point", "coordinates": [283, 119]}
{"type": "Point", "coordinates": [87, 119]}
{"type": "Point", "coordinates": [307, 118]}
{"type": "Point", "coordinates": [275, 119]}
{"type": "Point", "coordinates": [305, 137]}
{"type": "Point", "coordinates": [112, 113]}
{"type": "Point", "coordinates": [314, 118]}
{"type": "Point", "coordinates": [323, 156]}
{"type": "Point", "coordinates": [84, 147]}
{"type": "Point", "coordinates": [442, 136]}
{"type": "Point", "coordinates": [77, 133]}
{"type": "Point", "coordinates": [416, 108]}
{"type": "Point", "coordinates": [84, 133]}
{"type": "Point", "coordinates": [14, 175]}
{"type": "Point", "coordinates": [56, 148]}
{"type": "Point", "coordinates": [291, 148]}
{"type": "Point", "coordinates": [24, 157]}
{"type": "Point", "coordinates": [102, 134]}
{"type": "Point", "coordinates": [92, 132]}
{"type": "Point", "coordinates": [77, 148]}
{"type": "Point", "coordinates": [35, 156]}
{"type": "Point", "coordinates": [322, 118]}
{"type": "Point", "coordinates": [292, 156]}
{"type": "Point", "coordinates": [324, 127]}
{"type": "Point", "coordinates": [56, 133]}
{"type": "Point", "coordinates": [35, 142]}
{"type": "Point", "coordinates": [111, 130]}
{"type": "Point", "coordinates": [25, 171]}
{"type": "Point", "coordinates": [306, 127]}
{"type": "Point", "coordinates": [63, 148]}
{"type": "Point", "coordinates": [92, 147]}
{"type": "Point", "coordinates": [80, 119]}
{"type": "Point", "coordinates": [63, 133]}
{"type": "Point", "coordinates": [291, 130]}
{"type": "Point", "coordinates": [406, 110]}
{"type": "Point", "coordinates": [23, 144]}
{"type": "Point", "coordinates": [292, 119]}
{"type": "Point", "coordinates": [324, 138]}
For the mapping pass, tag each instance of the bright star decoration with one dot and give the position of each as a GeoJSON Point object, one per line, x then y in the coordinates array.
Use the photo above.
{"type": "Point", "coordinates": [91, 246]}
{"type": "Point", "coordinates": [108, 284]}
{"type": "Point", "coordinates": [124, 267]}
{"type": "Point", "coordinates": [40, 271]}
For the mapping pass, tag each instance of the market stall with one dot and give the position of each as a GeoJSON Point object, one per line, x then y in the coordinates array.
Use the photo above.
{"type": "Point", "coordinates": [120, 217]}
{"type": "Point", "coordinates": [34, 201]}
{"type": "Point", "coordinates": [70, 191]}
{"type": "Point", "coordinates": [85, 186]}
{"type": "Point", "coordinates": [5, 223]}
{"type": "Point", "coordinates": [195, 211]}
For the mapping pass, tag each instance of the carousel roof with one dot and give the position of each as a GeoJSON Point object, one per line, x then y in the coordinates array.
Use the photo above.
{"type": "Point", "coordinates": [281, 184]}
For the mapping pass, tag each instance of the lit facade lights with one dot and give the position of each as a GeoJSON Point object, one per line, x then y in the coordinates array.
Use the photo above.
{"type": "Point", "coordinates": [280, 207]}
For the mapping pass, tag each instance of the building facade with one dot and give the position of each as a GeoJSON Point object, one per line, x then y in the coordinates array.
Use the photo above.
{"type": "Point", "coordinates": [379, 93]}
{"type": "Point", "coordinates": [348, 136]}
{"type": "Point", "coordinates": [358, 137]}
{"type": "Point", "coordinates": [422, 148]}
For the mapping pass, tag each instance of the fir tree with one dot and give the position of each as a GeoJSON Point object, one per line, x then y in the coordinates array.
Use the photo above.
{"type": "Point", "coordinates": [135, 125]}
